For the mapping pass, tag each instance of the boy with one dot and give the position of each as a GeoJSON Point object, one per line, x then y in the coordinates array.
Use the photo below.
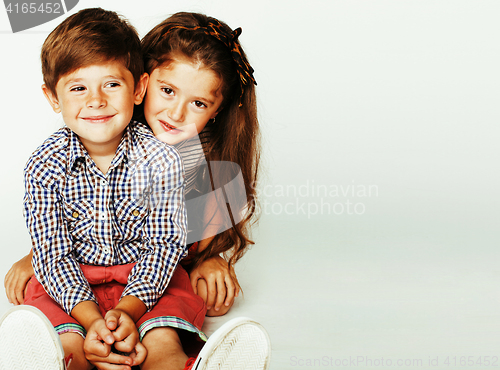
{"type": "Point", "coordinates": [104, 199]}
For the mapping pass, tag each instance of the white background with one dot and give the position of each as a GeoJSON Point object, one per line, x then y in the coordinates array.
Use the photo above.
{"type": "Point", "coordinates": [398, 96]}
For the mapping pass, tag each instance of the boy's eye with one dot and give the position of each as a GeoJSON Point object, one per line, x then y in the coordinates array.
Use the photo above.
{"type": "Point", "coordinates": [199, 104]}
{"type": "Point", "coordinates": [167, 90]}
{"type": "Point", "coordinates": [77, 88]}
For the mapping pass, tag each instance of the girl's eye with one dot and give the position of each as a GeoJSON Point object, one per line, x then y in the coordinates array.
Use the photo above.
{"type": "Point", "coordinates": [77, 88]}
{"type": "Point", "coordinates": [167, 90]}
{"type": "Point", "coordinates": [112, 84]}
{"type": "Point", "coordinates": [199, 104]}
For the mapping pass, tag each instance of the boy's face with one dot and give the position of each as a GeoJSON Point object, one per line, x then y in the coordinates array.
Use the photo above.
{"type": "Point", "coordinates": [182, 97]}
{"type": "Point", "coordinates": [97, 103]}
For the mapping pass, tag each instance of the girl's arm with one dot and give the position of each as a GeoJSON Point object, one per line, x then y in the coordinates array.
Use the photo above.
{"type": "Point", "coordinates": [216, 283]}
{"type": "Point", "coordinates": [16, 279]}
{"type": "Point", "coordinates": [213, 279]}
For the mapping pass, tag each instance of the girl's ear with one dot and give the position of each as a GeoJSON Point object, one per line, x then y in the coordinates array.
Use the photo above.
{"type": "Point", "coordinates": [140, 89]}
{"type": "Point", "coordinates": [51, 98]}
{"type": "Point", "coordinates": [217, 112]}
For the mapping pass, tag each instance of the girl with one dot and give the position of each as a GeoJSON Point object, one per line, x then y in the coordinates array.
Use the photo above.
{"type": "Point", "coordinates": [201, 83]}
{"type": "Point", "coordinates": [200, 91]}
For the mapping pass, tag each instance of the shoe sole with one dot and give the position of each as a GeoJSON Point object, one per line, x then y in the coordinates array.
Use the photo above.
{"type": "Point", "coordinates": [28, 341]}
{"type": "Point", "coordinates": [239, 344]}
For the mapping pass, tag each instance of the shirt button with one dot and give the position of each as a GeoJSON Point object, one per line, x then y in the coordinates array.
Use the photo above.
{"type": "Point", "coordinates": [104, 183]}
{"type": "Point", "coordinates": [75, 214]}
{"type": "Point", "coordinates": [103, 216]}
{"type": "Point", "coordinates": [106, 250]}
{"type": "Point", "coordinates": [135, 213]}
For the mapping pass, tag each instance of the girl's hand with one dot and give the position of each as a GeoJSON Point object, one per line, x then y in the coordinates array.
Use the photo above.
{"type": "Point", "coordinates": [17, 278]}
{"type": "Point", "coordinates": [213, 281]}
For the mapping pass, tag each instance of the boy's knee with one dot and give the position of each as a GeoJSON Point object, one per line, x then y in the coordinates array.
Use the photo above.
{"type": "Point", "coordinates": [161, 337]}
{"type": "Point", "coordinates": [72, 341]}
{"type": "Point", "coordinates": [73, 345]}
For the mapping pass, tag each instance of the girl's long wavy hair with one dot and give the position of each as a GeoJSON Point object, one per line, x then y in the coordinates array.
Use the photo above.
{"type": "Point", "coordinates": [234, 135]}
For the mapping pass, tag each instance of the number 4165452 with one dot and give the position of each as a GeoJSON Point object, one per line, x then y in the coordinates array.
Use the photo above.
{"type": "Point", "coordinates": [33, 8]}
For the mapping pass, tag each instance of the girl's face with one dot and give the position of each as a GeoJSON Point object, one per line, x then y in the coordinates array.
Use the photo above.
{"type": "Point", "coordinates": [181, 98]}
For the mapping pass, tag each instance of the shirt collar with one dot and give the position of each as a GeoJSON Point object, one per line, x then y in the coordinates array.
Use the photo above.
{"type": "Point", "coordinates": [78, 154]}
{"type": "Point", "coordinates": [123, 149]}
{"type": "Point", "coordinates": [138, 151]}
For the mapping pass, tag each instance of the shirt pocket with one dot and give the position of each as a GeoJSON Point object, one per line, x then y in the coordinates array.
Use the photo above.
{"type": "Point", "coordinates": [131, 215]}
{"type": "Point", "coordinates": [79, 218]}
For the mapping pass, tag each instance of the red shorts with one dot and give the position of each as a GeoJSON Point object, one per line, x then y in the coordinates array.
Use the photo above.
{"type": "Point", "coordinates": [179, 307]}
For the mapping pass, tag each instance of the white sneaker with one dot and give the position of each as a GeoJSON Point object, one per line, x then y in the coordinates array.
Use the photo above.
{"type": "Point", "coordinates": [239, 344]}
{"type": "Point", "coordinates": [28, 341]}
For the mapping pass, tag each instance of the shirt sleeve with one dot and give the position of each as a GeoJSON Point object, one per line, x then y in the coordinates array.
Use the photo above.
{"type": "Point", "coordinates": [164, 234]}
{"type": "Point", "coordinates": [53, 262]}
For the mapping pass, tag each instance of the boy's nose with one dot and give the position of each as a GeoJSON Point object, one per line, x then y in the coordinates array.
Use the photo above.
{"type": "Point", "coordinates": [96, 100]}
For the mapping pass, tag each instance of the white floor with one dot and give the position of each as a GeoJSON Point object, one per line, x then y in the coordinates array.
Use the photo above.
{"type": "Point", "coordinates": [370, 292]}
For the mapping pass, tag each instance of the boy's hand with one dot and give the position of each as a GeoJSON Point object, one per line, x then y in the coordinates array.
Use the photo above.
{"type": "Point", "coordinates": [98, 345]}
{"type": "Point", "coordinates": [125, 334]}
{"type": "Point", "coordinates": [222, 284]}
{"type": "Point", "coordinates": [17, 278]}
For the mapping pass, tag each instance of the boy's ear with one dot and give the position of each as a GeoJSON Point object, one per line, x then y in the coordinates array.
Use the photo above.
{"type": "Point", "coordinates": [51, 98]}
{"type": "Point", "coordinates": [140, 89]}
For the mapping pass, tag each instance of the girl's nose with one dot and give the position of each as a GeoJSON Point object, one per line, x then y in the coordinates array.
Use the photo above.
{"type": "Point", "coordinates": [96, 100]}
{"type": "Point", "coordinates": [176, 113]}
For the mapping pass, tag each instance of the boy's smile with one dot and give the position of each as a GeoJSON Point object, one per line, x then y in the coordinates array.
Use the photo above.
{"type": "Point", "coordinates": [97, 103]}
{"type": "Point", "coordinates": [182, 97]}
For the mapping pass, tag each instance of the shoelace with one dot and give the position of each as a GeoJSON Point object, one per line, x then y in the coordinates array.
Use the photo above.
{"type": "Point", "coordinates": [68, 359]}
{"type": "Point", "coordinates": [189, 363]}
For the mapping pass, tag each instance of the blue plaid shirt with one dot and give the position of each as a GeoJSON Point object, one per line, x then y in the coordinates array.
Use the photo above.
{"type": "Point", "coordinates": [76, 215]}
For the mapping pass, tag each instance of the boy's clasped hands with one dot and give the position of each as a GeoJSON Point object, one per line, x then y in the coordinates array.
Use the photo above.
{"type": "Point", "coordinates": [113, 339]}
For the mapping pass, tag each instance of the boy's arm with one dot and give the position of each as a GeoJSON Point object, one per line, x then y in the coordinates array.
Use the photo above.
{"type": "Point", "coordinates": [53, 261]}
{"type": "Point", "coordinates": [164, 233]}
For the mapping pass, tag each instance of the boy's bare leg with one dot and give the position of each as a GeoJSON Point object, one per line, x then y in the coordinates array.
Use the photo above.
{"type": "Point", "coordinates": [165, 350]}
{"type": "Point", "coordinates": [73, 344]}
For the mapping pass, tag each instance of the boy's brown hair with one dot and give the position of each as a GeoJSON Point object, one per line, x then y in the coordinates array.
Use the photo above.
{"type": "Point", "coordinates": [89, 37]}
